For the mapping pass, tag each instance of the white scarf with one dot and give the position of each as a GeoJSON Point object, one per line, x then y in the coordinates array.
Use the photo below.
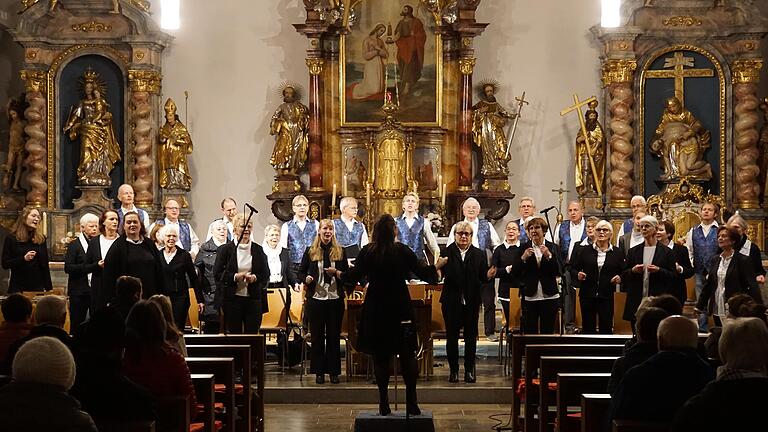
{"type": "Point", "coordinates": [269, 251]}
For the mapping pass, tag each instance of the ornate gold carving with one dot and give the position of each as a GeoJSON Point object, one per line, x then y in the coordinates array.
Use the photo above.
{"type": "Point", "coordinates": [746, 70]}
{"type": "Point", "coordinates": [618, 71]}
{"type": "Point", "coordinates": [144, 80]}
{"type": "Point", "coordinates": [31, 54]}
{"type": "Point", "coordinates": [623, 46]}
{"type": "Point", "coordinates": [749, 46]}
{"type": "Point", "coordinates": [34, 80]}
{"type": "Point", "coordinates": [313, 42]}
{"type": "Point", "coordinates": [315, 65]}
{"type": "Point", "coordinates": [139, 55]}
{"type": "Point", "coordinates": [466, 41]}
{"type": "Point", "coordinates": [681, 21]}
{"type": "Point", "coordinates": [683, 191]}
{"type": "Point", "coordinates": [467, 65]}
{"type": "Point", "coordinates": [91, 27]}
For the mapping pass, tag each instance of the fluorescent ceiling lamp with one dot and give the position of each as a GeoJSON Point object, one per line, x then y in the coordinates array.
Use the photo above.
{"type": "Point", "coordinates": [169, 14]}
{"type": "Point", "coordinates": [610, 14]}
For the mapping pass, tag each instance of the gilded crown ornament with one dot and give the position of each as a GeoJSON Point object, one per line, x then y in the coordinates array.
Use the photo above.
{"type": "Point", "coordinates": [170, 106]}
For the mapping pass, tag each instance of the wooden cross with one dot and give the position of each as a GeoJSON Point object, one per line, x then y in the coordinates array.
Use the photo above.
{"type": "Point", "coordinates": [577, 107]}
{"type": "Point", "coordinates": [678, 62]}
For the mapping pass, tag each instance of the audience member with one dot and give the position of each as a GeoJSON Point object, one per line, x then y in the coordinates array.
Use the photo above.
{"type": "Point", "coordinates": [739, 306]}
{"type": "Point", "coordinates": [188, 239]}
{"type": "Point", "coordinates": [97, 252]}
{"type": "Point", "coordinates": [79, 270]}
{"type": "Point", "coordinates": [648, 319]}
{"type": "Point", "coordinates": [665, 233]}
{"type": "Point", "coordinates": [128, 290]}
{"type": "Point", "coordinates": [37, 399]}
{"type": "Point", "coordinates": [204, 262]}
{"type": "Point", "coordinates": [173, 336]}
{"type": "Point", "coordinates": [17, 313]}
{"type": "Point", "coordinates": [180, 275]}
{"type": "Point", "coordinates": [228, 209]}
{"type": "Point", "coordinates": [25, 254]}
{"type": "Point", "coordinates": [125, 195]}
{"type": "Point", "coordinates": [735, 400]}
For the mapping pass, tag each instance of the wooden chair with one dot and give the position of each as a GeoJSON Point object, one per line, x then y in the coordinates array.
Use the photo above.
{"type": "Point", "coordinates": [639, 426]}
{"type": "Point", "coordinates": [594, 409]}
{"type": "Point", "coordinates": [204, 393]}
{"type": "Point", "coordinates": [112, 426]}
{"type": "Point", "coordinates": [570, 387]}
{"type": "Point", "coordinates": [172, 414]}
{"type": "Point", "coordinates": [223, 369]}
{"type": "Point", "coordinates": [193, 315]}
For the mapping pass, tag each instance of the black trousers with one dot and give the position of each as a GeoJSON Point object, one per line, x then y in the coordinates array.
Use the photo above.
{"type": "Point", "coordinates": [488, 294]}
{"type": "Point", "coordinates": [596, 312]}
{"type": "Point", "coordinates": [539, 316]}
{"type": "Point", "coordinates": [242, 315]}
{"type": "Point", "coordinates": [458, 316]}
{"type": "Point", "coordinates": [79, 304]}
{"type": "Point", "coordinates": [180, 307]}
{"type": "Point", "coordinates": [325, 328]}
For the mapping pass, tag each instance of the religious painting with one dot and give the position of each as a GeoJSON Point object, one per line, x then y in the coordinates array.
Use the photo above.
{"type": "Point", "coordinates": [391, 48]}
{"type": "Point", "coordinates": [354, 170]}
{"type": "Point", "coordinates": [426, 169]}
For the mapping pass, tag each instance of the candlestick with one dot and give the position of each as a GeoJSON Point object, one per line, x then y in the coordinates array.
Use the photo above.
{"type": "Point", "coordinates": [333, 196]}
{"type": "Point", "coordinates": [443, 197]}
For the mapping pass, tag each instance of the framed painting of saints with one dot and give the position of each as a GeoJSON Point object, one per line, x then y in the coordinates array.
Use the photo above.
{"type": "Point", "coordinates": [392, 48]}
{"type": "Point", "coordinates": [426, 166]}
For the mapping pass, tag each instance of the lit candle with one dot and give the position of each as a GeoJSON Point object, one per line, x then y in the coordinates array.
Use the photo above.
{"type": "Point", "coordinates": [45, 224]}
{"type": "Point", "coordinates": [368, 195]}
{"type": "Point", "coordinates": [344, 190]}
{"type": "Point", "coordinates": [439, 183]}
{"type": "Point", "coordinates": [444, 189]}
{"type": "Point", "coordinates": [333, 196]}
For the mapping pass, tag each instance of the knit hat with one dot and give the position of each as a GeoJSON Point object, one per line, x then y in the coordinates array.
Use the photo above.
{"type": "Point", "coordinates": [45, 360]}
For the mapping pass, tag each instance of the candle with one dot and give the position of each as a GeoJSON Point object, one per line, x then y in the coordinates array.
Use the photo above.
{"type": "Point", "coordinates": [368, 195]}
{"type": "Point", "coordinates": [45, 224]}
{"type": "Point", "coordinates": [344, 190]}
{"type": "Point", "coordinates": [333, 196]}
{"type": "Point", "coordinates": [444, 188]}
{"type": "Point", "coordinates": [439, 183]}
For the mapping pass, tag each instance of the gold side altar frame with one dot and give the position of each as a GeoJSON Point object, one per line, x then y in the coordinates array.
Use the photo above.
{"type": "Point", "coordinates": [721, 106]}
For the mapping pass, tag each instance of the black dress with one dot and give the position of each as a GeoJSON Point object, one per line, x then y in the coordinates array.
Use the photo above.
{"type": "Point", "coordinates": [141, 260]}
{"type": "Point", "coordinates": [33, 275]}
{"type": "Point", "coordinates": [387, 302]}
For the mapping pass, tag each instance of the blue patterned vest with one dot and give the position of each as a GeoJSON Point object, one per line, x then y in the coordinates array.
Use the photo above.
{"type": "Point", "coordinates": [412, 237]}
{"type": "Point", "coordinates": [483, 234]}
{"type": "Point", "coordinates": [185, 238]}
{"type": "Point", "coordinates": [704, 248]}
{"type": "Point", "coordinates": [298, 240]}
{"type": "Point", "coordinates": [628, 225]}
{"type": "Point", "coordinates": [523, 234]}
{"type": "Point", "coordinates": [344, 236]}
{"type": "Point", "coordinates": [565, 238]}
{"type": "Point", "coordinates": [120, 217]}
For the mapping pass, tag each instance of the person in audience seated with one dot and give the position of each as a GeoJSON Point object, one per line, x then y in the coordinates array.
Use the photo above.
{"type": "Point", "coordinates": [149, 361]}
{"type": "Point", "coordinates": [654, 390]}
{"type": "Point", "coordinates": [173, 336]}
{"type": "Point", "coordinates": [598, 269]}
{"type": "Point", "coordinates": [128, 290]}
{"type": "Point", "coordinates": [350, 233]}
{"type": "Point", "coordinates": [25, 254]}
{"type": "Point", "coordinates": [204, 262]}
{"type": "Point", "coordinates": [466, 272]}
{"type": "Point", "coordinates": [730, 273]}
{"type": "Point", "coordinates": [702, 244]}
{"type": "Point", "coordinates": [126, 196]}
{"type": "Point", "coordinates": [180, 276]}
{"type": "Point", "coordinates": [242, 275]}
{"type": "Point", "coordinates": [37, 400]}
{"type": "Point", "coordinates": [648, 319]}
{"type": "Point", "coordinates": [735, 400]}
{"type": "Point", "coordinates": [104, 392]}
{"type": "Point", "coordinates": [502, 267]}
{"type": "Point", "coordinates": [637, 203]}
{"type": "Point", "coordinates": [539, 267]}
{"type": "Point", "coordinates": [17, 313]}
{"type": "Point", "coordinates": [228, 209]}
{"type": "Point", "coordinates": [747, 248]}
{"type": "Point", "coordinates": [79, 270]}
{"type": "Point", "coordinates": [666, 302]}
{"type": "Point", "coordinates": [320, 268]}
{"type": "Point", "coordinates": [415, 231]}
{"type": "Point", "coordinates": [665, 233]}
{"type": "Point", "coordinates": [97, 252]}
{"type": "Point", "coordinates": [188, 239]}
{"type": "Point", "coordinates": [739, 306]}
{"type": "Point", "coordinates": [296, 235]}
{"type": "Point", "coordinates": [649, 269]}
{"type": "Point", "coordinates": [387, 317]}
{"type": "Point", "coordinates": [133, 254]}
{"type": "Point", "coordinates": [633, 237]}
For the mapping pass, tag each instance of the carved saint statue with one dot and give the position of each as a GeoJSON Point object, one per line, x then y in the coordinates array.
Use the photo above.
{"type": "Point", "coordinates": [680, 141]}
{"type": "Point", "coordinates": [291, 125]}
{"type": "Point", "coordinates": [175, 145]}
{"type": "Point", "coordinates": [586, 177]}
{"type": "Point", "coordinates": [763, 148]}
{"type": "Point", "coordinates": [488, 121]}
{"type": "Point", "coordinates": [92, 122]}
{"type": "Point", "coordinates": [15, 163]}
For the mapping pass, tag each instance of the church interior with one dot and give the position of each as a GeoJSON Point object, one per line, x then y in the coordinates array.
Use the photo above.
{"type": "Point", "coordinates": [560, 135]}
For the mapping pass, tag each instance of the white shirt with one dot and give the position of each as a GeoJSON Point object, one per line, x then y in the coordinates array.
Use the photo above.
{"type": "Point", "coordinates": [350, 224]}
{"type": "Point", "coordinates": [463, 253]}
{"type": "Point", "coordinates": [169, 255]}
{"type": "Point", "coordinates": [84, 243]}
{"type": "Point", "coordinates": [429, 236]}
{"type": "Point", "coordinates": [495, 240]}
{"type": "Point", "coordinates": [575, 230]}
{"type": "Point", "coordinates": [105, 244]}
{"type": "Point", "coordinates": [244, 264]}
{"type": "Point", "coordinates": [273, 259]}
{"type": "Point", "coordinates": [648, 252]}
{"type": "Point", "coordinates": [144, 219]}
{"type": "Point", "coordinates": [194, 247]}
{"type": "Point", "coordinates": [601, 255]}
{"type": "Point", "coordinates": [284, 230]}
{"type": "Point", "coordinates": [689, 238]}
{"type": "Point", "coordinates": [539, 290]}
{"type": "Point", "coordinates": [325, 288]}
{"type": "Point", "coordinates": [722, 270]}
{"type": "Point", "coordinates": [507, 246]}
{"type": "Point", "coordinates": [230, 228]}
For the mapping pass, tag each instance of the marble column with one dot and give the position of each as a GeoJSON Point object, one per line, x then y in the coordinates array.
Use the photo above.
{"type": "Point", "coordinates": [315, 159]}
{"type": "Point", "coordinates": [143, 85]}
{"type": "Point", "coordinates": [466, 66]}
{"type": "Point", "coordinates": [746, 74]}
{"type": "Point", "coordinates": [36, 163]}
{"type": "Point", "coordinates": [618, 75]}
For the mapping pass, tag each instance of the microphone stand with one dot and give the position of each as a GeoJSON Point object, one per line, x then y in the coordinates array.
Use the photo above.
{"type": "Point", "coordinates": [561, 267]}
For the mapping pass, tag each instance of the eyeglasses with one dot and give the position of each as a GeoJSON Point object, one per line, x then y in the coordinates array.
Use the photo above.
{"type": "Point", "coordinates": [646, 226]}
{"type": "Point", "coordinates": [602, 229]}
{"type": "Point", "coordinates": [463, 233]}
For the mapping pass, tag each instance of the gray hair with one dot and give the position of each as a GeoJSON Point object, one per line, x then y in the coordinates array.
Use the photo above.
{"type": "Point", "coordinates": [470, 200]}
{"type": "Point", "coordinates": [676, 333]}
{"type": "Point", "coordinates": [269, 228]}
{"type": "Point", "coordinates": [649, 220]}
{"type": "Point", "coordinates": [88, 217]}
{"type": "Point", "coordinates": [462, 225]}
{"type": "Point", "coordinates": [162, 233]}
{"type": "Point", "coordinates": [744, 344]}
{"type": "Point", "coordinates": [51, 309]}
{"type": "Point", "coordinates": [346, 202]}
{"type": "Point", "coordinates": [605, 224]}
{"type": "Point", "coordinates": [529, 199]}
{"type": "Point", "coordinates": [738, 220]}
{"type": "Point", "coordinates": [638, 198]}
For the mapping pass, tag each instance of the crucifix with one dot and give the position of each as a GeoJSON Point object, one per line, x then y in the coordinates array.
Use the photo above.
{"type": "Point", "coordinates": [679, 62]}
{"type": "Point", "coordinates": [577, 104]}
{"type": "Point", "coordinates": [560, 193]}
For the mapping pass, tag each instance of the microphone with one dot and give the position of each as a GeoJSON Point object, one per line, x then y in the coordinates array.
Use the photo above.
{"type": "Point", "coordinates": [542, 212]}
{"type": "Point", "coordinates": [250, 207]}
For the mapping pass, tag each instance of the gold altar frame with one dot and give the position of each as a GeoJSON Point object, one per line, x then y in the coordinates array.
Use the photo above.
{"type": "Point", "coordinates": [721, 91]}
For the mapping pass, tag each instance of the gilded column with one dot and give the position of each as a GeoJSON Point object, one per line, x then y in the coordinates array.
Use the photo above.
{"type": "Point", "coordinates": [143, 84]}
{"type": "Point", "coordinates": [618, 76]}
{"type": "Point", "coordinates": [746, 74]}
{"type": "Point", "coordinates": [315, 159]}
{"type": "Point", "coordinates": [36, 163]}
{"type": "Point", "coordinates": [466, 66]}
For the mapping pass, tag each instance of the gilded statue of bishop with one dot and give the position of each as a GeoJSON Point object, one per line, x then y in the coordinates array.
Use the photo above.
{"type": "Point", "coordinates": [488, 121]}
{"type": "Point", "coordinates": [680, 141]}
{"type": "Point", "coordinates": [590, 173]}
{"type": "Point", "coordinates": [175, 145]}
{"type": "Point", "coordinates": [290, 124]}
{"type": "Point", "coordinates": [91, 121]}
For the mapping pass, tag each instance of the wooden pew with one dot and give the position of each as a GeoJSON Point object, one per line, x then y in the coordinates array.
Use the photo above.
{"type": "Point", "coordinates": [550, 366]}
{"type": "Point", "coordinates": [204, 385]}
{"type": "Point", "coordinates": [258, 353]}
{"type": "Point", "coordinates": [533, 353]}
{"type": "Point", "coordinates": [223, 370]}
{"type": "Point", "coordinates": [639, 426]}
{"type": "Point", "coordinates": [138, 426]}
{"type": "Point", "coordinates": [594, 410]}
{"type": "Point", "coordinates": [570, 387]}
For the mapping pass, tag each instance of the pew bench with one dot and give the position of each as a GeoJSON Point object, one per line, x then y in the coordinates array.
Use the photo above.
{"type": "Point", "coordinates": [594, 410]}
{"type": "Point", "coordinates": [204, 384]}
{"type": "Point", "coordinates": [570, 387]}
{"type": "Point", "coordinates": [223, 370]}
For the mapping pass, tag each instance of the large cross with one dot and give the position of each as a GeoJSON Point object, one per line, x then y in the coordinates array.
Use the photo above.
{"type": "Point", "coordinates": [577, 104]}
{"type": "Point", "coordinates": [678, 63]}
